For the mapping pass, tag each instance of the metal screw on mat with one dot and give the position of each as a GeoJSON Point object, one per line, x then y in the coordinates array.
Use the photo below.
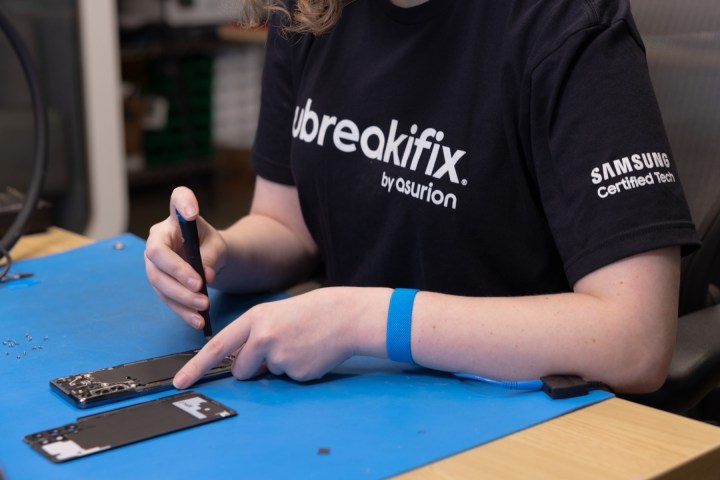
{"type": "Point", "coordinates": [10, 343]}
{"type": "Point", "coordinates": [118, 246]}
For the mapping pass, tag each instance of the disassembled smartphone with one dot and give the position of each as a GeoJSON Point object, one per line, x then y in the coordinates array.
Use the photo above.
{"type": "Point", "coordinates": [128, 380]}
{"type": "Point", "coordinates": [122, 426]}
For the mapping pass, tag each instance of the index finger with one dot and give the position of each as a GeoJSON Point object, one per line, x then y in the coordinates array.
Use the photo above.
{"type": "Point", "coordinates": [227, 341]}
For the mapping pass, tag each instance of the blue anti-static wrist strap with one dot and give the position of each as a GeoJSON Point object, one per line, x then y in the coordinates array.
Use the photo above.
{"type": "Point", "coordinates": [399, 322]}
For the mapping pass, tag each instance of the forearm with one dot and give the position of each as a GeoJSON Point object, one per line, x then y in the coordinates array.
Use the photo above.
{"type": "Point", "coordinates": [262, 254]}
{"type": "Point", "coordinates": [528, 337]}
{"type": "Point", "coordinates": [270, 248]}
{"type": "Point", "coordinates": [524, 338]}
{"type": "Point", "coordinates": [622, 337]}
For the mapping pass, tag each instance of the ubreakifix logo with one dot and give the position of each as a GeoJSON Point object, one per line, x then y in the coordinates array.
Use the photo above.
{"type": "Point", "coordinates": [417, 152]}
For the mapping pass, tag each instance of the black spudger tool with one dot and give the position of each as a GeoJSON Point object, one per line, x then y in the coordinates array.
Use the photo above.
{"type": "Point", "coordinates": [191, 245]}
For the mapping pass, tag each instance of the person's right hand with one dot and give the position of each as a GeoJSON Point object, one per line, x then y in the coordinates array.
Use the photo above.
{"type": "Point", "coordinates": [172, 278]}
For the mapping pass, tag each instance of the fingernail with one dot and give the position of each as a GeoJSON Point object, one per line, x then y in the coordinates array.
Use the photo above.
{"type": "Point", "coordinates": [193, 284]}
{"type": "Point", "coordinates": [188, 212]}
{"type": "Point", "coordinates": [200, 303]}
{"type": "Point", "coordinates": [197, 322]}
{"type": "Point", "coordinates": [180, 381]}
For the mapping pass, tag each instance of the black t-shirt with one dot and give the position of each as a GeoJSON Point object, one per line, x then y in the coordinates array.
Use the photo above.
{"type": "Point", "coordinates": [485, 147]}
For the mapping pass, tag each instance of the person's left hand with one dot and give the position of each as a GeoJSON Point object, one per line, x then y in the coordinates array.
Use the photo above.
{"type": "Point", "coordinates": [303, 337]}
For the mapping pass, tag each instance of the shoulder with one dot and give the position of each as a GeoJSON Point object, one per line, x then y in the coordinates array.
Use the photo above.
{"type": "Point", "coordinates": [544, 26]}
{"type": "Point", "coordinates": [550, 22]}
{"type": "Point", "coordinates": [281, 41]}
{"type": "Point", "coordinates": [570, 15]}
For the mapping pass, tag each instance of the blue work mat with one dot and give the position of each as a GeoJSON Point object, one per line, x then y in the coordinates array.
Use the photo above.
{"type": "Point", "coordinates": [92, 307]}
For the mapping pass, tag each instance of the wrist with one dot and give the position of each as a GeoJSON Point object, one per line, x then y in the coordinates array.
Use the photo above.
{"type": "Point", "coordinates": [367, 320]}
{"type": "Point", "coordinates": [222, 252]}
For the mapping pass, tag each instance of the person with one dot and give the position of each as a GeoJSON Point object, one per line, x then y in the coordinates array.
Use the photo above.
{"type": "Point", "coordinates": [505, 159]}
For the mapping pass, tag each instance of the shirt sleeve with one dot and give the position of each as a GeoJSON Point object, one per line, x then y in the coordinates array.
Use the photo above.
{"type": "Point", "coordinates": [271, 150]}
{"type": "Point", "coordinates": [605, 171]}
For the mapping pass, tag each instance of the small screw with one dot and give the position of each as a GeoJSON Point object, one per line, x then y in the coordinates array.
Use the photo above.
{"type": "Point", "coordinates": [45, 337]}
{"type": "Point", "coordinates": [25, 353]}
{"type": "Point", "coordinates": [118, 246]}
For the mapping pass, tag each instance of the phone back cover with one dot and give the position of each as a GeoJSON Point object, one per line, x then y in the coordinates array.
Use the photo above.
{"type": "Point", "coordinates": [122, 426]}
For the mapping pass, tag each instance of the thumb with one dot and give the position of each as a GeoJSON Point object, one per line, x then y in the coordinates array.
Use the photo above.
{"type": "Point", "coordinates": [184, 202]}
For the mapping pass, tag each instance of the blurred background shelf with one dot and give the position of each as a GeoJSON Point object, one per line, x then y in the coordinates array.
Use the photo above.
{"type": "Point", "coordinates": [191, 89]}
{"type": "Point", "coordinates": [143, 95]}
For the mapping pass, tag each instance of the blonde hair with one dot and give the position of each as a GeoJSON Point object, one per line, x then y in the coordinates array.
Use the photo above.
{"type": "Point", "coordinates": [310, 16]}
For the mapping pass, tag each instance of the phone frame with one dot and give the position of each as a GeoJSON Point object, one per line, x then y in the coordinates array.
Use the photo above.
{"type": "Point", "coordinates": [129, 380]}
